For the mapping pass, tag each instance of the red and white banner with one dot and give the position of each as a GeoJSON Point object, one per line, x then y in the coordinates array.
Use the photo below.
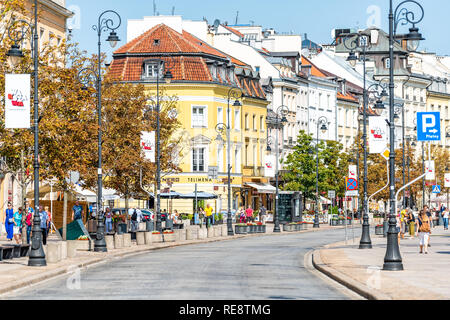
{"type": "Point", "coordinates": [429, 170]}
{"type": "Point", "coordinates": [148, 145]}
{"type": "Point", "coordinates": [17, 101]}
{"type": "Point", "coordinates": [377, 134]}
{"type": "Point", "coordinates": [447, 180]}
{"type": "Point", "coordinates": [352, 172]}
{"type": "Point", "coordinates": [269, 166]}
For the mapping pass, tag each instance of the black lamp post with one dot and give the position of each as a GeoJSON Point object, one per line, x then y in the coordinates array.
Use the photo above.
{"type": "Point", "coordinates": [225, 129]}
{"type": "Point", "coordinates": [86, 76]}
{"type": "Point", "coordinates": [281, 113]}
{"type": "Point", "coordinates": [164, 67]}
{"type": "Point", "coordinates": [36, 255]}
{"type": "Point", "coordinates": [393, 259]}
{"type": "Point", "coordinates": [322, 122]}
{"type": "Point", "coordinates": [361, 41]}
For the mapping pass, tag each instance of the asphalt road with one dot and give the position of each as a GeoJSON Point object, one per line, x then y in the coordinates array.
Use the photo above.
{"type": "Point", "coordinates": [254, 268]}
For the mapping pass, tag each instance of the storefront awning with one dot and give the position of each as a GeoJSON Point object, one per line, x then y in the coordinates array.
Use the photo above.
{"type": "Point", "coordinates": [262, 187]}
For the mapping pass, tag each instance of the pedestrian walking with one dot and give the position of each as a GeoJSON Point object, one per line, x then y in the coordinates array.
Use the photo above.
{"type": "Point", "coordinates": [208, 213]}
{"type": "Point", "coordinates": [49, 214]}
{"type": "Point", "coordinates": [445, 214]}
{"type": "Point", "coordinates": [424, 229]}
{"type": "Point", "coordinates": [108, 219]}
{"type": "Point", "coordinates": [249, 214]}
{"type": "Point", "coordinates": [134, 220]}
{"type": "Point", "coordinates": [412, 223]}
{"type": "Point", "coordinates": [9, 222]}
{"type": "Point", "coordinates": [430, 217]}
{"type": "Point", "coordinates": [403, 223]}
{"type": "Point", "coordinates": [262, 214]}
{"type": "Point", "coordinates": [28, 222]}
{"type": "Point", "coordinates": [77, 211]}
{"type": "Point", "coordinates": [44, 224]}
{"type": "Point", "coordinates": [18, 225]}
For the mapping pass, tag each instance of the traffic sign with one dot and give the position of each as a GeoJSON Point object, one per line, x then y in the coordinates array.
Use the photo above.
{"type": "Point", "coordinates": [428, 126]}
{"type": "Point", "coordinates": [332, 194]}
{"type": "Point", "coordinates": [352, 184]}
{"type": "Point", "coordinates": [385, 154]}
{"type": "Point", "coordinates": [436, 189]}
{"type": "Point", "coordinates": [353, 193]}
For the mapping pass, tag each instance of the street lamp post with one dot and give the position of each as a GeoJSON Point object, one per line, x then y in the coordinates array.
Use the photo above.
{"type": "Point", "coordinates": [281, 114]}
{"type": "Point", "coordinates": [221, 128]}
{"type": "Point", "coordinates": [322, 122]}
{"type": "Point", "coordinates": [36, 255]}
{"type": "Point", "coordinates": [361, 41]}
{"type": "Point", "coordinates": [393, 259]}
{"type": "Point", "coordinates": [85, 76]}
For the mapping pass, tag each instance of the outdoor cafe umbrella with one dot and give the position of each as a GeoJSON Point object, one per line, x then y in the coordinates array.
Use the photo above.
{"type": "Point", "coordinates": [199, 195]}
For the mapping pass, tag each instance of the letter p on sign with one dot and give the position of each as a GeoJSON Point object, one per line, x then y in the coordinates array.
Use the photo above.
{"type": "Point", "coordinates": [429, 122]}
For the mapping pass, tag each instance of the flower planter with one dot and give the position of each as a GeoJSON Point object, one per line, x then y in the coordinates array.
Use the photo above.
{"type": "Point", "coordinates": [341, 222]}
{"type": "Point", "coordinates": [334, 222]}
{"type": "Point", "coordinates": [379, 230]}
{"type": "Point", "coordinates": [241, 229]}
{"type": "Point", "coordinates": [289, 227]}
{"type": "Point", "coordinates": [252, 229]}
{"type": "Point", "coordinates": [261, 228]}
{"type": "Point", "coordinates": [169, 237]}
{"type": "Point", "coordinates": [156, 237]}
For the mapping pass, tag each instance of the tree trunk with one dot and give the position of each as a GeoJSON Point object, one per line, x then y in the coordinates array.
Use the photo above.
{"type": "Point", "coordinates": [64, 235]}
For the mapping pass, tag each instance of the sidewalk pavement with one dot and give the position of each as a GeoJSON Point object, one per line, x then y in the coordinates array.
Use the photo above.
{"type": "Point", "coordinates": [16, 274]}
{"type": "Point", "coordinates": [424, 276]}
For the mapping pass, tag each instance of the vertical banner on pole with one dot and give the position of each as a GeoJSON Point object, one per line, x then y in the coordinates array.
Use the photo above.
{"type": "Point", "coordinates": [429, 169]}
{"type": "Point", "coordinates": [17, 101]}
{"type": "Point", "coordinates": [447, 180]}
{"type": "Point", "coordinates": [377, 134]}
{"type": "Point", "coordinates": [148, 145]}
{"type": "Point", "coordinates": [352, 172]}
{"type": "Point", "coordinates": [269, 166]}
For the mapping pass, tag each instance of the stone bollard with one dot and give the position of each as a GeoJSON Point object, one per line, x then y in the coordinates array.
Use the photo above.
{"type": "Point", "coordinates": [192, 233]}
{"type": "Point", "coordinates": [140, 238]}
{"type": "Point", "coordinates": [202, 233]}
{"type": "Point", "coordinates": [180, 234]}
{"type": "Point", "coordinates": [109, 239]}
{"type": "Point", "coordinates": [127, 240]}
{"type": "Point", "coordinates": [148, 238]}
{"type": "Point", "coordinates": [224, 229]}
{"type": "Point", "coordinates": [186, 223]}
{"type": "Point", "coordinates": [53, 251]}
{"type": "Point", "coordinates": [210, 232]}
{"type": "Point", "coordinates": [63, 250]}
{"type": "Point", "coordinates": [118, 241]}
{"type": "Point", "coordinates": [71, 249]}
{"type": "Point", "coordinates": [142, 226]}
{"type": "Point", "coordinates": [217, 231]}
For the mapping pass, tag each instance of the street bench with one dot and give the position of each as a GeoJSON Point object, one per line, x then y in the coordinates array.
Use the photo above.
{"type": "Point", "coordinates": [7, 252]}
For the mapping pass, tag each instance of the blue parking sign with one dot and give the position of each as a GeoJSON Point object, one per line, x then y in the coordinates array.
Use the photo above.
{"type": "Point", "coordinates": [428, 126]}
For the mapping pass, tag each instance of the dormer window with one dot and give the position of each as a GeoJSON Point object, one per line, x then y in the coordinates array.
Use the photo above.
{"type": "Point", "coordinates": [151, 70]}
{"type": "Point", "coordinates": [156, 42]}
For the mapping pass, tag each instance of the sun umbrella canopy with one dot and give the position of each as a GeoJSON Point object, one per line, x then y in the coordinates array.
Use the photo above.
{"type": "Point", "coordinates": [199, 195]}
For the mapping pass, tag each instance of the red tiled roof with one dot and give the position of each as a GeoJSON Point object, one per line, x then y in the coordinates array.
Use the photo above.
{"type": "Point", "coordinates": [234, 31]}
{"type": "Point", "coordinates": [314, 70]}
{"type": "Point", "coordinates": [348, 97]}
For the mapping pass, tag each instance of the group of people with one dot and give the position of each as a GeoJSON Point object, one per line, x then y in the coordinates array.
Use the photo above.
{"type": "Point", "coordinates": [421, 226]}
{"type": "Point", "coordinates": [247, 215]}
{"type": "Point", "coordinates": [23, 217]}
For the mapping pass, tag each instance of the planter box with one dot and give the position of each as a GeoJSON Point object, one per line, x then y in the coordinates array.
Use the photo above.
{"type": "Point", "coordinates": [109, 242]}
{"type": "Point", "coordinates": [241, 229]}
{"type": "Point", "coordinates": [180, 234]}
{"type": "Point", "coordinates": [252, 229]}
{"type": "Point", "coordinates": [210, 232]}
{"type": "Point", "coordinates": [202, 233]}
{"type": "Point", "coordinates": [148, 238]}
{"type": "Point", "coordinates": [224, 228]}
{"type": "Point", "coordinates": [118, 241]}
{"type": "Point", "coordinates": [334, 222]}
{"type": "Point", "coordinates": [81, 245]}
{"type": "Point", "coordinates": [341, 222]}
{"type": "Point", "coordinates": [192, 233]}
{"type": "Point", "coordinates": [288, 227]}
{"type": "Point", "coordinates": [217, 231]}
{"type": "Point", "coordinates": [349, 222]}
{"type": "Point", "coordinates": [140, 238]}
{"type": "Point", "coordinates": [261, 228]}
{"type": "Point", "coordinates": [379, 230]}
{"type": "Point", "coordinates": [169, 237]}
{"type": "Point", "coordinates": [156, 238]}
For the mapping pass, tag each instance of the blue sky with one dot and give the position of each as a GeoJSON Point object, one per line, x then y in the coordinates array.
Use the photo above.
{"type": "Point", "coordinates": [315, 18]}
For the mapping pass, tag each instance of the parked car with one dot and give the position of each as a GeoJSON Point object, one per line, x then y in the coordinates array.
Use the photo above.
{"type": "Point", "coordinates": [147, 215]}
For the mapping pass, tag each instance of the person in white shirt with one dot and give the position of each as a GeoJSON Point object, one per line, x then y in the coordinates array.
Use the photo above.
{"type": "Point", "coordinates": [445, 218]}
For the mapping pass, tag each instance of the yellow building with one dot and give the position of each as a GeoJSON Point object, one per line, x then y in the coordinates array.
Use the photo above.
{"type": "Point", "coordinates": [202, 79]}
{"type": "Point", "coordinates": [52, 22]}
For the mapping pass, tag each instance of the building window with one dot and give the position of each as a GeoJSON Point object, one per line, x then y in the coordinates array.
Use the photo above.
{"type": "Point", "coordinates": [246, 121]}
{"type": "Point", "coordinates": [219, 115]}
{"type": "Point", "coordinates": [198, 160]}
{"type": "Point", "coordinates": [151, 70]}
{"type": "Point", "coordinates": [254, 123]}
{"type": "Point", "coordinates": [237, 119]}
{"type": "Point", "coordinates": [261, 123]}
{"type": "Point", "coordinates": [199, 117]}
